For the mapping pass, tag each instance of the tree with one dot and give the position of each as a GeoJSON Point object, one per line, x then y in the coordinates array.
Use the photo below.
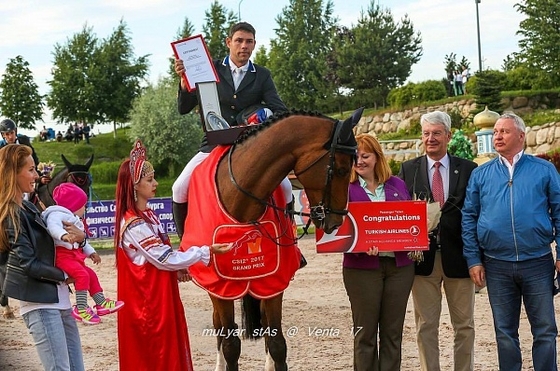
{"type": "Point", "coordinates": [19, 94]}
{"type": "Point", "coordinates": [172, 139]}
{"type": "Point", "coordinates": [73, 96]}
{"type": "Point", "coordinates": [540, 32]}
{"type": "Point", "coordinates": [117, 82]}
{"type": "Point", "coordinates": [96, 81]}
{"type": "Point", "coordinates": [299, 52]}
{"type": "Point", "coordinates": [487, 89]}
{"type": "Point", "coordinates": [218, 22]}
{"type": "Point", "coordinates": [381, 54]}
{"type": "Point", "coordinates": [261, 57]}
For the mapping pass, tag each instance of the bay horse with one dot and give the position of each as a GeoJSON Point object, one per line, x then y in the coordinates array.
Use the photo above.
{"type": "Point", "coordinates": [73, 173]}
{"type": "Point", "coordinates": [320, 150]}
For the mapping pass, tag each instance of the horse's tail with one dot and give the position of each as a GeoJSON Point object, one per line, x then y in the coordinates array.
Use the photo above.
{"type": "Point", "coordinates": [251, 317]}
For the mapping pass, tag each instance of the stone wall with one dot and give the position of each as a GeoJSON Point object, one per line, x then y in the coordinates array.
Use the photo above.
{"type": "Point", "coordinates": [540, 139]}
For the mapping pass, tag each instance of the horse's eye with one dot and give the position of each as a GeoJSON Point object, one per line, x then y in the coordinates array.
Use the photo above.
{"type": "Point", "coordinates": [342, 171]}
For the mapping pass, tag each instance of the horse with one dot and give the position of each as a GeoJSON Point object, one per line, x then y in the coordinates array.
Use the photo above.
{"type": "Point", "coordinates": [73, 173]}
{"type": "Point", "coordinates": [321, 151]}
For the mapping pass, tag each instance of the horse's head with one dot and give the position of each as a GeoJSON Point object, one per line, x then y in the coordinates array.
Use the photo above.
{"type": "Point", "coordinates": [77, 173]}
{"type": "Point", "coordinates": [328, 194]}
{"type": "Point", "coordinates": [73, 173]}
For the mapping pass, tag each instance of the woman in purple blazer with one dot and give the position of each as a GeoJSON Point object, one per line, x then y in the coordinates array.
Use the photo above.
{"type": "Point", "coordinates": [378, 284]}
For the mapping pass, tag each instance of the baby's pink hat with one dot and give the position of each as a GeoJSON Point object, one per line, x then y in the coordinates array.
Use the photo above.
{"type": "Point", "coordinates": [70, 196]}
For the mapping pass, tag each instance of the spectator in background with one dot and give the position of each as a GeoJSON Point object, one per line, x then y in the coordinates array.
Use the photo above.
{"type": "Point", "coordinates": [86, 131]}
{"type": "Point", "coordinates": [59, 137]}
{"type": "Point", "coordinates": [466, 74]}
{"type": "Point", "coordinates": [8, 129]}
{"type": "Point", "coordinates": [44, 134]}
{"type": "Point", "coordinates": [459, 83]}
{"type": "Point", "coordinates": [77, 133]}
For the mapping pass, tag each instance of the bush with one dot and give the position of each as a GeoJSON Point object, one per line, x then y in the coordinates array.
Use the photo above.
{"type": "Point", "coordinates": [520, 78]}
{"type": "Point", "coordinates": [84, 151]}
{"type": "Point", "coordinates": [105, 172]}
{"type": "Point", "coordinates": [402, 96]}
{"type": "Point", "coordinates": [430, 90]}
{"type": "Point", "coordinates": [460, 146]}
{"type": "Point", "coordinates": [395, 167]}
{"type": "Point", "coordinates": [412, 93]}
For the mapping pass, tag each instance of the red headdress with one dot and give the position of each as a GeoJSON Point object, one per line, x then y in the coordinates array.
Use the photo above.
{"type": "Point", "coordinates": [139, 166]}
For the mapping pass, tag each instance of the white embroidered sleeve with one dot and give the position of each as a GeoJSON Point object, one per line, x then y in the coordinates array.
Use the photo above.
{"type": "Point", "coordinates": [140, 236]}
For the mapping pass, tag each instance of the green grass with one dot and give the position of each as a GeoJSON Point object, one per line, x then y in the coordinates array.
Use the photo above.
{"type": "Point", "coordinates": [106, 148]}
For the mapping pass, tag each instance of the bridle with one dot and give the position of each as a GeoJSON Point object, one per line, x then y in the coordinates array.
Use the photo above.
{"type": "Point", "coordinates": [322, 209]}
{"type": "Point", "coordinates": [79, 178]}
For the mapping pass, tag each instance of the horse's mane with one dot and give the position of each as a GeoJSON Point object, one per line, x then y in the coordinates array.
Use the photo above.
{"type": "Point", "coordinates": [254, 129]}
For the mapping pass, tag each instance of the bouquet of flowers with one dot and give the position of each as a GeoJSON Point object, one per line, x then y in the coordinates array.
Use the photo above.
{"type": "Point", "coordinates": [434, 214]}
{"type": "Point", "coordinates": [46, 168]}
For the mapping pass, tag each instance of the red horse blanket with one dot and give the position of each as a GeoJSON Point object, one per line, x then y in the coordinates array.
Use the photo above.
{"type": "Point", "coordinates": [265, 256]}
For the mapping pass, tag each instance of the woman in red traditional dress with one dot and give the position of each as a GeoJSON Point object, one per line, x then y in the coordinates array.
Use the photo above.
{"type": "Point", "coordinates": [152, 329]}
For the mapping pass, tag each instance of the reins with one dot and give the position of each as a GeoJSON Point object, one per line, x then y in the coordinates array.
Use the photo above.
{"type": "Point", "coordinates": [320, 211]}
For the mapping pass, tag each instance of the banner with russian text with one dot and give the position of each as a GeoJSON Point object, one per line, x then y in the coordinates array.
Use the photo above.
{"type": "Point", "coordinates": [389, 226]}
{"type": "Point", "coordinates": [100, 216]}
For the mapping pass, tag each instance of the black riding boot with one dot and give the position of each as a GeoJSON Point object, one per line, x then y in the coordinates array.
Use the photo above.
{"type": "Point", "coordinates": [289, 211]}
{"type": "Point", "coordinates": [180, 211]}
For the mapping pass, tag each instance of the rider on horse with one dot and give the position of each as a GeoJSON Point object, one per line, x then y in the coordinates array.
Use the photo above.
{"type": "Point", "coordinates": [242, 85]}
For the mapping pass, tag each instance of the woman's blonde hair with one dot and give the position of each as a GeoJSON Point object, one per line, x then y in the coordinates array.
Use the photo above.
{"type": "Point", "coordinates": [13, 158]}
{"type": "Point", "coordinates": [369, 144]}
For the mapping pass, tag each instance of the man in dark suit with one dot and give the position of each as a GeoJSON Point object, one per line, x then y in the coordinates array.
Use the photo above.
{"type": "Point", "coordinates": [444, 263]}
{"type": "Point", "coordinates": [242, 84]}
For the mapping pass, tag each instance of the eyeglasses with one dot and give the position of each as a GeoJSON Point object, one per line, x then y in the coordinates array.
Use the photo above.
{"type": "Point", "coordinates": [435, 134]}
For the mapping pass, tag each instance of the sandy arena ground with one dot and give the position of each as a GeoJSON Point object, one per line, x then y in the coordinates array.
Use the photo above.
{"type": "Point", "coordinates": [315, 300]}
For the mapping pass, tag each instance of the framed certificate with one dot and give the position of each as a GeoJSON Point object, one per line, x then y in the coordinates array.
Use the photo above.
{"type": "Point", "coordinates": [196, 58]}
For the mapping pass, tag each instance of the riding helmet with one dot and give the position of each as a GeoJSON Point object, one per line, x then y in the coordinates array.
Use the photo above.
{"type": "Point", "coordinates": [7, 125]}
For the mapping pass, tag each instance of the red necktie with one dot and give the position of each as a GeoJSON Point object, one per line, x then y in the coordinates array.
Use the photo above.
{"type": "Point", "coordinates": [437, 185]}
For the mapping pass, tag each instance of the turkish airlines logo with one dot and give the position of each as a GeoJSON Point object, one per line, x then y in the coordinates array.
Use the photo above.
{"type": "Point", "coordinates": [342, 239]}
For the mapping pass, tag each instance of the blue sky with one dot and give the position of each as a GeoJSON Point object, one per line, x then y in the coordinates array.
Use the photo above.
{"type": "Point", "coordinates": [32, 28]}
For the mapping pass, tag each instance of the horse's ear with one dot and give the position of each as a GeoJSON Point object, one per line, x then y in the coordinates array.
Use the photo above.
{"type": "Point", "coordinates": [66, 162]}
{"type": "Point", "coordinates": [356, 116]}
{"type": "Point", "coordinates": [346, 133]}
{"type": "Point", "coordinates": [90, 161]}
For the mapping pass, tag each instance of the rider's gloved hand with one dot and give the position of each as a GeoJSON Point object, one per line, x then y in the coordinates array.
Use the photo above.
{"type": "Point", "coordinates": [260, 116]}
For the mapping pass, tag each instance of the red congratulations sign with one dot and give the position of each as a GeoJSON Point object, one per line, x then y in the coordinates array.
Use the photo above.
{"type": "Point", "coordinates": [389, 226]}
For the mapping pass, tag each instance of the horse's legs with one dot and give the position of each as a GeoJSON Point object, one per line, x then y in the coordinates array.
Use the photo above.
{"type": "Point", "coordinates": [229, 344]}
{"type": "Point", "coordinates": [275, 342]}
